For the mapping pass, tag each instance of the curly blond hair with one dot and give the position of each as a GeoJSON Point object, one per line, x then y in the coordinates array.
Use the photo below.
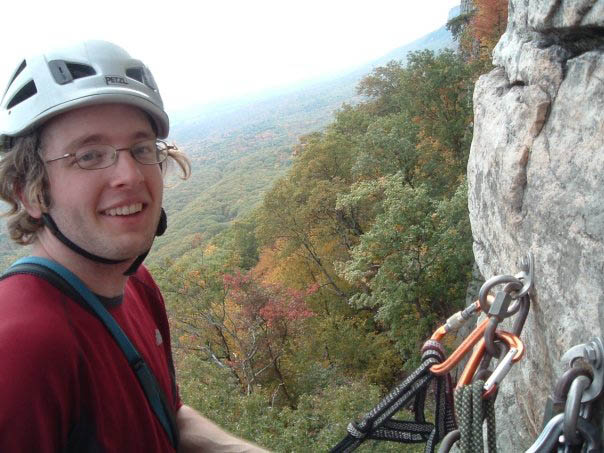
{"type": "Point", "coordinates": [23, 176]}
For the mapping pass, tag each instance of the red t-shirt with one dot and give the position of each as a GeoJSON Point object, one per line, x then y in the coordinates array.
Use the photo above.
{"type": "Point", "coordinates": [65, 384]}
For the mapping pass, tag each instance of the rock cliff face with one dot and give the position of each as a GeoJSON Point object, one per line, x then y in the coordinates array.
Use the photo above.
{"type": "Point", "coordinates": [536, 182]}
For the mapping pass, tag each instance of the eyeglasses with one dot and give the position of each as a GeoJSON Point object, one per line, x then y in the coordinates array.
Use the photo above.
{"type": "Point", "coordinates": [95, 157]}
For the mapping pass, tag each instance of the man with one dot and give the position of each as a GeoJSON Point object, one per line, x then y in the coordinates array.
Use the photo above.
{"type": "Point", "coordinates": [83, 175]}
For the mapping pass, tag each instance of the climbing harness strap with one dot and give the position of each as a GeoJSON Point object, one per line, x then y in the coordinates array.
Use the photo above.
{"type": "Point", "coordinates": [378, 424]}
{"type": "Point", "coordinates": [71, 285]}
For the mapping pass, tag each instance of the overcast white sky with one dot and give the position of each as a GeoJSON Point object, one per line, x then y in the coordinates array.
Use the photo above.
{"type": "Point", "coordinates": [201, 51]}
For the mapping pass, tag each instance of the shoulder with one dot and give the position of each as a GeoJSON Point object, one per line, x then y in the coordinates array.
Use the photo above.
{"type": "Point", "coordinates": [142, 279]}
{"type": "Point", "coordinates": [35, 315]}
{"type": "Point", "coordinates": [41, 359]}
{"type": "Point", "coordinates": [142, 288]}
{"type": "Point", "coordinates": [39, 350]}
{"type": "Point", "coordinates": [25, 297]}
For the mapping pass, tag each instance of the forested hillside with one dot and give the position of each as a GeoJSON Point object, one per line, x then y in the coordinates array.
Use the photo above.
{"type": "Point", "coordinates": [298, 315]}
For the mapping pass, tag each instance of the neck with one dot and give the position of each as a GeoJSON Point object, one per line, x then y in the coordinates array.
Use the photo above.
{"type": "Point", "coordinates": [104, 279]}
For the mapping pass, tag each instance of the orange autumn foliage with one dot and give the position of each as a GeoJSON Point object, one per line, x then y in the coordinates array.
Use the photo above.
{"type": "Point", "coordinates": [489, 22]}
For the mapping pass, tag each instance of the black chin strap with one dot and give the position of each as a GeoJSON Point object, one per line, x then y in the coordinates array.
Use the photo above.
{"type": "Point", "coordinates": [137, 262]}
{"type": "Point", "coordinates": [163, 223]}
{"type": "Point", "coordinates": [52, 226]}
{"type": "Point", "coordinates": [161, 229]}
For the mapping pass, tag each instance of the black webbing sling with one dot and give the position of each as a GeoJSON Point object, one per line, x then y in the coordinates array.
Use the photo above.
{"type": "Point", "coordinates": [73, 287]}
{"type": "Point", "coordinates": [378, 424]}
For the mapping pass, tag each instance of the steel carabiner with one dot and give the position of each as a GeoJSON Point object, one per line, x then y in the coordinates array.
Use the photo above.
{"type": "Point", "coordinates": [550, 436]}
{"type": "Point", "coordinates": [522, 315]}
{"type": "Point", "coordinates": [572, 408]}
{"type": "Point", "coordinates": [490, 284]}
{"type": "Point", "coordinates": [449, 440]}
{"type": "Point", "coordinates": [521, 311]}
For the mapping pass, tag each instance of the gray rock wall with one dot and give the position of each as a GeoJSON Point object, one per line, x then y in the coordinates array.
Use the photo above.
{"type": "Point", "coordinates": [536, 182]}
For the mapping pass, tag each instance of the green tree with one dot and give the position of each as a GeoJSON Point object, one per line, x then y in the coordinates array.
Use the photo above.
{"type": "Point", "coordinates": [414, 263]}
{"type": "Point", "coordinates": [432, 100]}
{"type": "Point", "coordinates": [298, 215]}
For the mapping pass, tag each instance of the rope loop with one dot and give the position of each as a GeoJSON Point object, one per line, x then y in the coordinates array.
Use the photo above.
{"type": "Point", "coordinates": [355, 431]}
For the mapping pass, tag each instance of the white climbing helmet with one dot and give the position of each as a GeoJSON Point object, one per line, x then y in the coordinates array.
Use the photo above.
{"type": "Point", "coordinates": [92, 72]}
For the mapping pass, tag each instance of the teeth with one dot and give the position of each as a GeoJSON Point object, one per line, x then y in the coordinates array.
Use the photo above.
{"type": "Point", "coordinates": [125, 210]}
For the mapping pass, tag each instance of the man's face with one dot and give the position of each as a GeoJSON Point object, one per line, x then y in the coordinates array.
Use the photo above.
{"type": "Point", "coordinates": [88, 205]}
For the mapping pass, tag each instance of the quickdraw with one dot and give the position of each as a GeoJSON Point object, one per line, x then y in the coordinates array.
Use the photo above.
{"type": "Point", "coordinates": [566, 425]}
{"type": "Point", "coordinates": [476, 389]}
{"type": "Point", "coordinates": [488, 341]}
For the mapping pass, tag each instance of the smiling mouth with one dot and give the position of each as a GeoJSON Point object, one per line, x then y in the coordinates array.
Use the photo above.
{"type": "Point", "coordinates": [124, 210]}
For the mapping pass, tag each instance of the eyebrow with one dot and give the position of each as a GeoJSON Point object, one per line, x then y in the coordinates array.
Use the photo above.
{"type": "Point", "coordinates": [99, 138]}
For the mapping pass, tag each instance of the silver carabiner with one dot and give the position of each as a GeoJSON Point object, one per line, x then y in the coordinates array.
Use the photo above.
{"type": "Point", "coordinates": [500, 372]}
{"type": "Point", "coordinates": [551, 436]}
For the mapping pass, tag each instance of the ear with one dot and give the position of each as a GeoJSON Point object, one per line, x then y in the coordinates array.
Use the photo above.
{"type": "Point", "coordinates": [33, 209]}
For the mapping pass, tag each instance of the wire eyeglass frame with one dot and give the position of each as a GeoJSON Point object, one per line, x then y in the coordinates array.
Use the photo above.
{"type": "Point", "coordinates": [108, 155]}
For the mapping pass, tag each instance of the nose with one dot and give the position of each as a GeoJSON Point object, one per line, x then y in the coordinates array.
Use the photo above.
{"type": "Point", "coordinates": [126, 171]}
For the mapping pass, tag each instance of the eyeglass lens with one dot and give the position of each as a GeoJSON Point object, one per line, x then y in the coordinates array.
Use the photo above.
{"type": "Point", "coordinates": [101, 156]}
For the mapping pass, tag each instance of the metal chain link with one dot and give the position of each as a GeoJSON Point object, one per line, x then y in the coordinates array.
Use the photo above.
{"type": "Point", "coordinates": [577, 388]}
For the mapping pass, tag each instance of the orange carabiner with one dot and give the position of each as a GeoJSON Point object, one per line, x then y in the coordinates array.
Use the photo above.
{"type": "Point", "coordinates": [443, 368]}
{"type": "Point", "coordinates": [515, 353]}
{"type": "Point", "coordinates": [473, 363]}
{"type": "Point", "coordinates": [512, 341]}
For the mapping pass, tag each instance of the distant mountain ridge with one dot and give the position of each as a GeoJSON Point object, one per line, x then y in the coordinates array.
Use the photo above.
{"type": "Point", "coordinates": [190, 122]}
{"type": "Point", "coordinates": [240, 147]}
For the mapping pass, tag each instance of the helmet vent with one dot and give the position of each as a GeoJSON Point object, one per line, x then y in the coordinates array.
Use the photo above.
{"type": "Point", "coordinates": [142, 75]}
{"type": "Point", "coordinates": [135, 73]}
{"type": "Point", "coordinates": [66, 72]}
{"type": "Point", "coordinates": [27, 91]}
{"type": "Point", "coordinates": [79, 71]}
{"type": "Point", "coordinates": [15, 75]}
{"type": "Point", "coordinates": [20, 69]}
